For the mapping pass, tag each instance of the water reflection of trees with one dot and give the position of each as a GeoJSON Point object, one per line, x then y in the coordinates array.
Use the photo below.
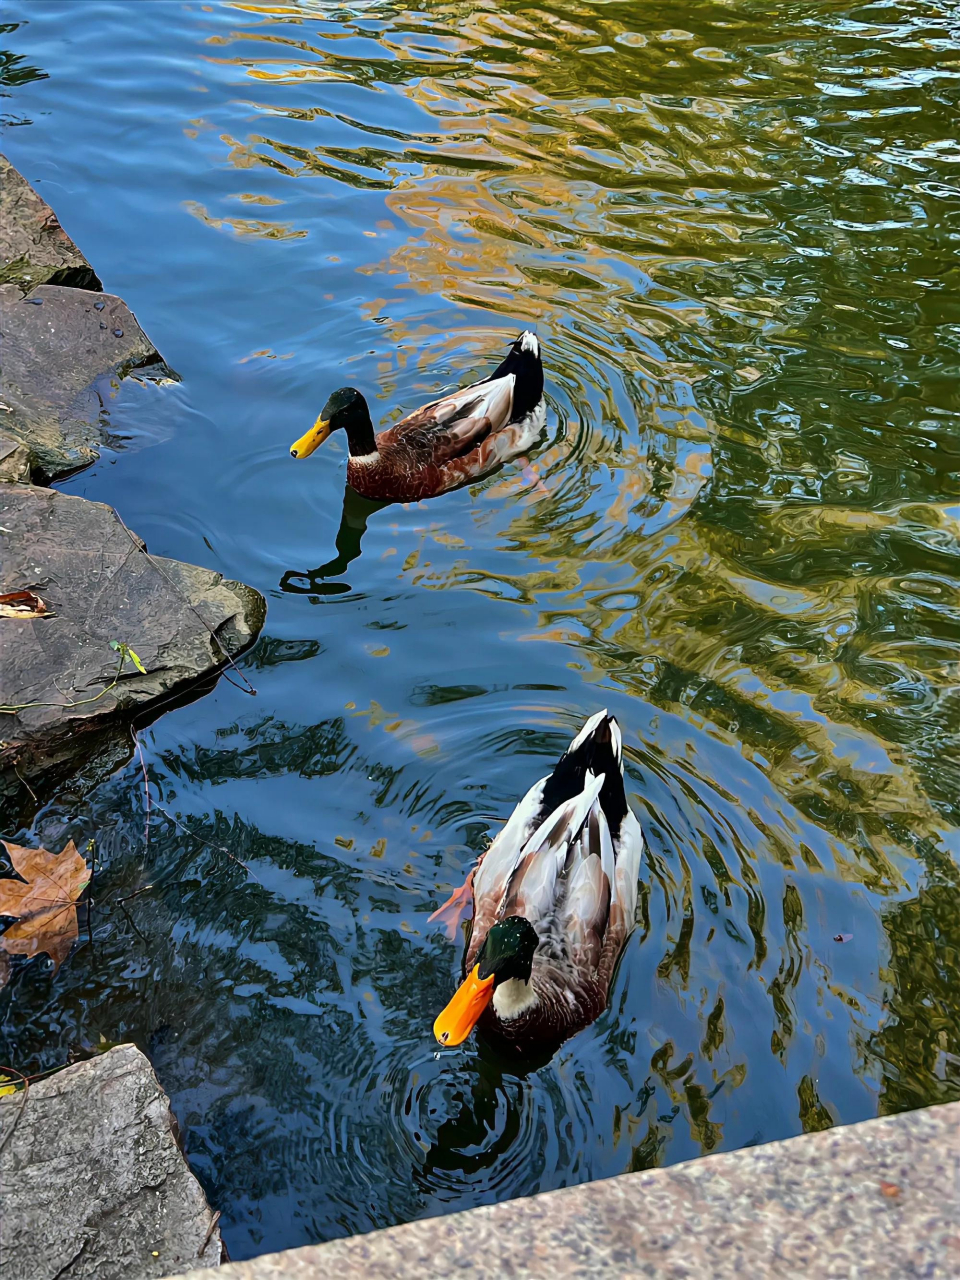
{"type": "Point", "coordinates": [270, 984]}
{"type": "Point", "coordinates": [15, 72]}
{"type": "Point", "coordinates": [740, 519]}
{"type": "Point", "coordinates": [799, 606]}
{"type": "Point", "coordinates": [916, 1051]}
{"type": "Point", "coordinates": [283, 991]}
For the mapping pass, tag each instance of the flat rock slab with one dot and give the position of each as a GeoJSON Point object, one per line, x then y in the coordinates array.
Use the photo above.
{"type": "Point", "coordinates": [878, 1199]}
{"type": "Point", "coordinates": [98, 586]}
{"type": "Point", "coordinates": [62, 348]}
{"type": "Point", "coordinates": [34, 248]}
{"type": "Point", "coordinates": [93, 1181]}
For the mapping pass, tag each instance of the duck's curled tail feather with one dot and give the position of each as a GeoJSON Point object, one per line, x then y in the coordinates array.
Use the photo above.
{"type": "Point", "coordinates": [523, 361]}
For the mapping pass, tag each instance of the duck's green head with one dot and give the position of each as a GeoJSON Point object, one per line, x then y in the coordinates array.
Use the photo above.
{"type": "Point", "coordinates": [507, 952]}
{"type": "Point", "coordinates": [345, 410]}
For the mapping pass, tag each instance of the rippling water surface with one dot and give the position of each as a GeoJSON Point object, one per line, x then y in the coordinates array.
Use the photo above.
{"type": "Point", "coordinates": [735, 229]}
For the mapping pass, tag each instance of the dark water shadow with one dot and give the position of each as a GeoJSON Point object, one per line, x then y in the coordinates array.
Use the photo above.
{"type": "Point", "coordinates": [353, 525]}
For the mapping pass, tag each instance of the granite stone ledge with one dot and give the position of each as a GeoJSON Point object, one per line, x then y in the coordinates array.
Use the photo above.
{"type": "Point", "coordinates": [878, 1199]}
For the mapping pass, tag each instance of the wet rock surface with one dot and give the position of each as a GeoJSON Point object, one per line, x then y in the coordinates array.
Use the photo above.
{"type": "Point", "coordinates": [93, 1181]}
{"type": "Point", "coordinates": [62, 347]}
{"type": "Point", "coordinates": [34, 248]}
{"type": "Point", "coordinates": [68, 698]}
{"type": "Point", "coordinates": [98, 586]}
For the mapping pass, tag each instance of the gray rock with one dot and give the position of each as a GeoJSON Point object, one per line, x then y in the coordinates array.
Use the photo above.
{"type": "Point", "coordinates": [34, 248]}
{"type": "Point", "coordinates": [94, 1183]}
{"type": "Point", "coordinates": [99, 586]}
{"type": "Point", "coordinates": [878, 1199]}
{"type": "Point", "coordinates": [60, 353]}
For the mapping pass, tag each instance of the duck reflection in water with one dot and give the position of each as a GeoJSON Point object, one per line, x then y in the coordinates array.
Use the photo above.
{"type": "Point", "coordinates": [485, 1122]}
{"type": "Point", "coordinates": [356, 512]}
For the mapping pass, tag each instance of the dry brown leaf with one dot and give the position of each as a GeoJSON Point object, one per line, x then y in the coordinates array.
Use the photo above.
{"type": "Point", "coordinates": [890, 1190]}
{"type": "Point", "coordinates": [21, 604]}
{"type": "Point", "coordinates": [46, 905]}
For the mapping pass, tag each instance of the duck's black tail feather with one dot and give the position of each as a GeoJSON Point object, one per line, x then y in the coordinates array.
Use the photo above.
{"type": "Point", "coordinates": [523, 361]}
{"type": "Point", "coordinates": [596, 749]}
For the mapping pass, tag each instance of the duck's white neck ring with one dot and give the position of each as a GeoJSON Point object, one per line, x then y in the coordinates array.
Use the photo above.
{"type": "Point", "coordinates": [513, 997]}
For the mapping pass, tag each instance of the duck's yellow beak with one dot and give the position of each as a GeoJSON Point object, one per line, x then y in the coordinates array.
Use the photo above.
{"type": "Point", "coordinates": [313, 439]}
{"type": "Point", "coordinates": [461, 1014]}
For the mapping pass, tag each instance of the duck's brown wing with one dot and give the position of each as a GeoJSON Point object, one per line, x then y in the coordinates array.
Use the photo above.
{"type": "Point", "coordinates": [451, 427]}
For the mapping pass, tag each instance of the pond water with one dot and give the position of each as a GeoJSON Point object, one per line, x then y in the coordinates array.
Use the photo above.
{"type": "Point", "coordinates": [735, 228]}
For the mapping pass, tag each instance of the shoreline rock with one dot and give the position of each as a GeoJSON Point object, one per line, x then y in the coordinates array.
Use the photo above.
{"type": "Point", "coordinates": [69, 701]}
{"type": "Point", "coordinates": [99, 585]}
{"type": "Point", "coordinates": [62, 350]}
{"type": "Point", "coordinates": [94, 1182]}
{"type": "Point", "coordinates": [34, 248]}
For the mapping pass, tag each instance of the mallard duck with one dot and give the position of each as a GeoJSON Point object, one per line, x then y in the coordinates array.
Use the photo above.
{"type": "Point", "coordinates": [446, 443]}
{"type": "Point", "coordinates": [554, 899]}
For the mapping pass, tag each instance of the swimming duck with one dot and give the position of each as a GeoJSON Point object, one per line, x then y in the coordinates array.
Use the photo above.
{"type": "Point", "coordinates": [446, 443]}
{"type": "Point", "coordinates": [554, 899]}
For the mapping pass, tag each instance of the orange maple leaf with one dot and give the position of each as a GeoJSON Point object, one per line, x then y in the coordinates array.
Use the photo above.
{"type": "Point", "coordinates": [46, 905]}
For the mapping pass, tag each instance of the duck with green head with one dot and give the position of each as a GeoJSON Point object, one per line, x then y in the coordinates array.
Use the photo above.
{"type": "Point", "coordinates": [446, 443]}
{"type": "Point", "coordinates": [554, 899]}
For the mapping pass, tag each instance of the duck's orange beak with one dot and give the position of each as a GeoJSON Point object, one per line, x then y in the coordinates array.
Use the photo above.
{"type": "Point", "coordinates": [461, 1014]}
{"type": "Point", "coordinates": [313, 439]}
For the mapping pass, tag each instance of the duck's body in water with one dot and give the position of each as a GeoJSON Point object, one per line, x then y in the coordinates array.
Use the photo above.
{"type": "Point", "coordinates": [554, 901]}
{"type": "Point", "coordinates": [446, 443]}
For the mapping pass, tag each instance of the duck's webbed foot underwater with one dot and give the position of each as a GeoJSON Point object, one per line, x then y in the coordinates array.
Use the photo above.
{"type": "Point", "coordinates": [455, 907]}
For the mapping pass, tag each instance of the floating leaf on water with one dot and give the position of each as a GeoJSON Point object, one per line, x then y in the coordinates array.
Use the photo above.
{"type": "Point", "coordinates": [43, 901]}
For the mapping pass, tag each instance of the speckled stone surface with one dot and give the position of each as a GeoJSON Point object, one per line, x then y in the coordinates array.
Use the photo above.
{"type": "Point", "coordinates": [92, 1182]}
{"type": "Point", "coordinates": [878, 1199]}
